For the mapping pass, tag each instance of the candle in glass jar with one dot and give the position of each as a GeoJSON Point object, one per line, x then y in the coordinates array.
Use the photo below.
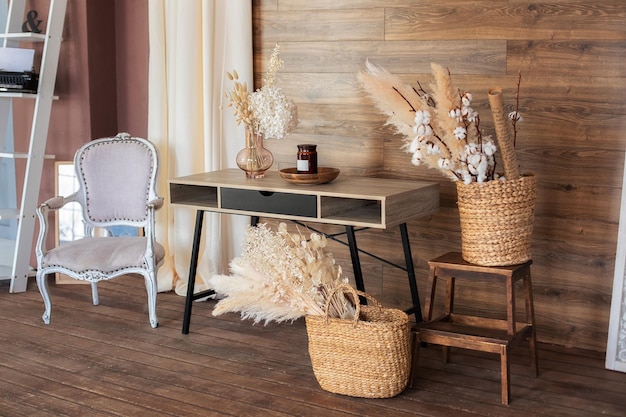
{"type": "Point", "coordinates": [307, 159]}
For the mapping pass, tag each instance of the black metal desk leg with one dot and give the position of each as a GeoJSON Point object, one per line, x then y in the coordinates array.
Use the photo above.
{"type": "Point", "coordinates": [356, 263]}
{"type": "Point", "coordinates": [410, 270]}
{"type": "Point", "coordinates": [193, 266]}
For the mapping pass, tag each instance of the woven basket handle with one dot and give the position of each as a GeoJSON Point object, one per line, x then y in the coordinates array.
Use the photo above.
{"type": "Point", "coordinates": [347, 289]}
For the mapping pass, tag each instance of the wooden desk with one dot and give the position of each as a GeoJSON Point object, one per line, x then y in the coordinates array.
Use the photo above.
{"type": "Point", "coordinates": [348, 201]}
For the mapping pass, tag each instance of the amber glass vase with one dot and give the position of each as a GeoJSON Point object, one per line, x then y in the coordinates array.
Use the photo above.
{"type": "Point", "coordinates": [254, 159]}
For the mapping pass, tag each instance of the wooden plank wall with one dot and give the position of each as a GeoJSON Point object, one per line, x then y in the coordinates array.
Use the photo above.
{"type": "Point", "coordinates": [570, 54]}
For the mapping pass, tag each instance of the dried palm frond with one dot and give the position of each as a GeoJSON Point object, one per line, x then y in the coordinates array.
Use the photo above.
{"type": "Point", "coordinates": [441, 130]}
{"type": "Point", "coordinates": [397, 100]}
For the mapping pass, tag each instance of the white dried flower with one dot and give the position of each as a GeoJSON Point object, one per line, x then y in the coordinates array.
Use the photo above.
{"type": "Point", "coordinates": [422, 117]}
{"type": "Point", "coordinates": [417, 157]}
{"type": "Point", "coordinates": [275, 65]}
{"type": "Point", "coordinates": [482, 169]}
{"type": "Point", "coordinates": [414, 145]}
{"type": "Point", "coordinates": [473, 160]}
{"type": "Point", "coordinates": [444, 163]}
{"type": "Point", "coordinates": [423, 131]}
{"type": "Point", "coordinates": [489, 148]}
{"type": "Point", "coordinates": [472, 116]}
{"type": "Point", "coordinates": [433, 149]}
{"type": "Point", "coordinates": [275, 115]}
{"type": "Point", "coordinates": [470, 149]}
{"type": "Point", "coordinates": [515, 116]}
{"type": "Point", "coordinates": [460, 133]}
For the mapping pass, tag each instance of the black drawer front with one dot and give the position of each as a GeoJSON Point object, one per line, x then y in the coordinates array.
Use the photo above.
{"type": "Point", "coordinates": [269, 202]}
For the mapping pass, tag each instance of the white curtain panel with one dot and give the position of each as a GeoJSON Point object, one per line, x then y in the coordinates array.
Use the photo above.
{"type": "Point", "coordinates": [193, 43]}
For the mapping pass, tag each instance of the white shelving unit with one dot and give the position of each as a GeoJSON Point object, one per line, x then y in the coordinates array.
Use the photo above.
{"type": "Point", "coordinates": [18, 269]}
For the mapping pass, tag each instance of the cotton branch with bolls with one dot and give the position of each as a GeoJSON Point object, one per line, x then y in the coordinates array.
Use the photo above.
{"type": "Point", "coordinates": [441, 129]}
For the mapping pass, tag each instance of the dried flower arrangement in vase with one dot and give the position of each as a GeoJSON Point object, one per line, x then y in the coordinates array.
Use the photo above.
{"type": "Point", "coordinates": [442, 131]}
{"type": "Point", "coordinates": [265, 113]}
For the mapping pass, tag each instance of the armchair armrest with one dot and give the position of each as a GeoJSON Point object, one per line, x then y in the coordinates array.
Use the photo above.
{"type": "Point", "coordinates": [53, 203]}
{"type": "Point", "coordinates": [57, 202]}
{"type": "Point", "coordinates": [157, 203]}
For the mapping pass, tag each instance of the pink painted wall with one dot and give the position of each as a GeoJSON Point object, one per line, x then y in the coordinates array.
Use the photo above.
{"type": "Point", "coordinates": [102, 79]}
{"type": "Point", "coordinates": [131, 24]}
{"type": "Point", "coordinates": [102, 82]}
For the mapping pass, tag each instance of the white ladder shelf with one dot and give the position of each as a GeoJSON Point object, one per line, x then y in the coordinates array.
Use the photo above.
{"type": "Point", "coordinates": [19, 270]}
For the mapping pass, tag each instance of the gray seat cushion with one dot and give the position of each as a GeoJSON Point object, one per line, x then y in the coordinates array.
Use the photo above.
{"type": "Point", "coordinates": [105, 254]}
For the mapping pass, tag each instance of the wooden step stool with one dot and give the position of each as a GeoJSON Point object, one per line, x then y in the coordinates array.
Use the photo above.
{"type": "Point", "coordinates": [477, 333]}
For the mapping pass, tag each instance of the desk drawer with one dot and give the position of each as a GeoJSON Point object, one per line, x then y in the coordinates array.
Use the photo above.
{"type": "Point", "coordinates": [269, 202]}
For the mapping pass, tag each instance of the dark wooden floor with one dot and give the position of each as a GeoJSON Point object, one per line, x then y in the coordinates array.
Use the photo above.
{"type": "Point", "coordinates": [106, 360]}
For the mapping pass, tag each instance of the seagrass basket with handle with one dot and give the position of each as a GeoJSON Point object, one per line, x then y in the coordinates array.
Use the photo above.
{"type": "Point", "coordinates": [368, 356]}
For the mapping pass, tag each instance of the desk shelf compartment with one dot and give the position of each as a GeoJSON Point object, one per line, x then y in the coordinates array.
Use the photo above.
{"type": "Point", "coordinates": [200, 196]}
{"type": "Point", "coordinates": [352, 209]}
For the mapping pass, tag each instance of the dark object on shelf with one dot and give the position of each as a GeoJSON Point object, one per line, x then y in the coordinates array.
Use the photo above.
{"type": "Point", "coordinates": [23, 82]}
{"type": "Point", "coordinates": [307, 159]}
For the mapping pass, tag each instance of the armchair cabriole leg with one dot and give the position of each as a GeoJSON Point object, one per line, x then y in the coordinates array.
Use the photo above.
{"type": "Point", "coordinates": [42, 283]}
{"type": "Point", "coordinates": [151, 289]}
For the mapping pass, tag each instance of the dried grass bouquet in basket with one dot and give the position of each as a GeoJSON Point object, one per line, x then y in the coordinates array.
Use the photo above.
{"type": "Point", "coordinates": [442, 131]}
{"type": "Point", "coordinates": [281, 276]}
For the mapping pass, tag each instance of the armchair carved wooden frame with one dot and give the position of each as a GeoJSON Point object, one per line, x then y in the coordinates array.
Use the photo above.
{"type": "Point", "coordinates": [117, 187]}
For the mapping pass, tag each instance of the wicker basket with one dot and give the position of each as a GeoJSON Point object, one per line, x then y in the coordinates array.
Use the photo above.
{"type": "Point", "coordinates": [497, 220]}
{"type": "Point", "coordinates": [366, 357]}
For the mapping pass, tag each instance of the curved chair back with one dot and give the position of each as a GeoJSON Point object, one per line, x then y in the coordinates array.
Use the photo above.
{"type": "Point", "coordinates": [102, 165]}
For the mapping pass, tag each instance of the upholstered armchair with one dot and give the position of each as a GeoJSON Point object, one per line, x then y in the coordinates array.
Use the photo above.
{"type": "Point", "coordinates": [117, 187]}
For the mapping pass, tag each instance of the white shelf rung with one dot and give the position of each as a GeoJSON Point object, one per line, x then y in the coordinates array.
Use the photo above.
{"type": "Point", "coordinates": [21, 155]}
{"type": "Point", "coordinates": [16, 94]}
{"type": "Point", "coordinates": [6, 214]}
{"type": "Point", "coordinates": [24, 36]}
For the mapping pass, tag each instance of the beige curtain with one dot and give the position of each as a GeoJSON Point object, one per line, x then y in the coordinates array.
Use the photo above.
{"type": "Point", "coordinates": [193, 43]}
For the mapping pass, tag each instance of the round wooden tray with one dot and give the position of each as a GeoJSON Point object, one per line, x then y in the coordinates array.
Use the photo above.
{"type": "Point", "coordinates": [324, 175]}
